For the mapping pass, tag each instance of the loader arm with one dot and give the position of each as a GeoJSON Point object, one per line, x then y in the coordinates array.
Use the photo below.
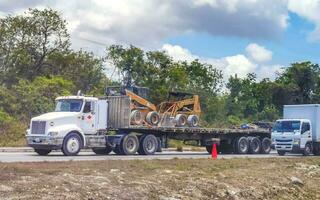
{"type": "Point", "coordinates": [140, 100]}
{"type": "Point", "coordinates": [193, 101]}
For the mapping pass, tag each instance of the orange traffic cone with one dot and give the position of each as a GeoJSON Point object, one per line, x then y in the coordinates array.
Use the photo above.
{"type": "Point", "coordinates": [214, 152]}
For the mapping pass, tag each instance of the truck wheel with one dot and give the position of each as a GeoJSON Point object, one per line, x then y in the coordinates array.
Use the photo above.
{"type": "Point", "coordinates": [254, 145]}
{"type": "Point", "coordinates": [209, 149]}
{"type": "Point", "coordinates": [193, 120]}
{"type": "Point", "coordinates": [316, 149]}
{"type": "Point", "coordinates": [242, 145]}
{"type": "Point", "coordinates": [102, 151]}
{"type": "Point", "coordinates": [307, 150]}
{"type": "Point", "coordinates": [153, 118]}
{"type": "Point", "coordinates": [265, 145]}
{"type": "Point", "coordinates": [129, 145]}
{"type": "Point", "coordinates": [159, 145]}
{"type": "Point", "coordinates": [148, 145]}
{"type": "Point", "coordinates": [71, 144]}
{"type": "Point", "coordinates": [281, 153]}
{"type": "Point", "coordinates": [42, 152]}
{"type": "Point", "coordinates": [136, 117]}
{"type": "Point", "coordinates": [181, 120]}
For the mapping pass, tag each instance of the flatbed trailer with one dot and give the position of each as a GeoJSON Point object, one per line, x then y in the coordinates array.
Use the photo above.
{"type": "Point", "coordinates": [103, 125]}
{"type": "Point", "coordinates": [228, 140]}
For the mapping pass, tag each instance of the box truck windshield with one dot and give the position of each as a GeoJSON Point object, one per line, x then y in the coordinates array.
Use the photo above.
{"type": "Point", "coordinates": [69, 105]}
{"type": "Point", "coordinates": [286, 126]}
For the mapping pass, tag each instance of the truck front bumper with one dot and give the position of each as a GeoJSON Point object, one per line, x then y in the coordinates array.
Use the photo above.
{"type": "Point", "coordinates": [44, 142]}
{"type": "Point", "coordinates": [288, 147]}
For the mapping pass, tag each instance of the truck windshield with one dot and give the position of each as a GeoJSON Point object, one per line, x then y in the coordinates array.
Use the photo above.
{"type": "Point", "coordinates": [286, 126]}
{"type": "Point", "coordinates": [69, 105]}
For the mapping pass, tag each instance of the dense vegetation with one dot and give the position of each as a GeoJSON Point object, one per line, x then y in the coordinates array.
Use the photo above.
{"type": "Point", "coordinates": [37, 65]}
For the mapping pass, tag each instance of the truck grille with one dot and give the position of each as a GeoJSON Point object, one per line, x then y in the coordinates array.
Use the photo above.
{"type": "Point", "coordinates": [38, 127]}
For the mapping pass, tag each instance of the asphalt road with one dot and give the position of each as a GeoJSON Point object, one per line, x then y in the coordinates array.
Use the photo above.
{"type": "Point", "coordinates": [58, 156]}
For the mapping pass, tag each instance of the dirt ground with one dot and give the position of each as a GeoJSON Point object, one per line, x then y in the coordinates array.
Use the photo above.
{"type": "Point", "coordinates": [276, 178]}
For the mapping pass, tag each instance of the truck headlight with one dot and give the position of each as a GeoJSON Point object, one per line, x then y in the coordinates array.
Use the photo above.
{"type": "Point", "coordinates": [53, 133]}
{"type": "Point", "coordinates": [296, 141]}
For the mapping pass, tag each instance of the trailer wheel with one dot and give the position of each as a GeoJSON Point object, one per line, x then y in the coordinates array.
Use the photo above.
{"type": "Point", "coordinates": [148, 145]}
{"type": "Point", "coordinates": [307, 150]}
{"type": "Point", "coordinates": [102, 151]}
{"type": "Point", "coordinates": [242, 145]}
{"type": "Point", "coordinates": [42, 152]}
{"type": "Point", "coordinates": [193, 120]}
{"type": "Point", "coordinates": [153, 118]}
{"type": "Point", "coordinates": [181, 120]}
{"type": "Point", "coordinates": [71, 144]}
{"type": "Point", "coordinates": [159, 145]}
{"type": "Point", "coordinates": [209, 149]}
{"type": "Point", "coordinates": [254, 145]}
{"type": "Point", "coordinates": [136, 117]}
{"type": "Point", "coordinates": [265, 145]}
{"type": "Point", "coordinates": [128, 146]}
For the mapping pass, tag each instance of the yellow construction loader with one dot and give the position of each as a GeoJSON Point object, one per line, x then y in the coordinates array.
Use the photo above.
{"type": "Point", "coordinates": [180, 109]}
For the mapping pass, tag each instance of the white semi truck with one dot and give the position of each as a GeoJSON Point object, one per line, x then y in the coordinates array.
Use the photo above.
{"type": "Point", "coordinates": [103, 125]}
{"type": "Point", "coordinates": [298, 131]}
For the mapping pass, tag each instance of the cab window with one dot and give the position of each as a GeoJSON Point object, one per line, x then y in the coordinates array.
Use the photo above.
{"type": "Point", "coordinates": [87, 107]}
{"type": "Point", "coordinates": [305, 127]}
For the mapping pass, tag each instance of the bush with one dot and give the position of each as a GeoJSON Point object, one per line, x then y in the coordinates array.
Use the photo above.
{"type": "Point", "coordinates": [12, 131]}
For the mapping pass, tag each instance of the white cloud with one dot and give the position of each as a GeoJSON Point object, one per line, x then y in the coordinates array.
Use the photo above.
{"type": "Point", "coordinates": [178, 53]}
{"type": "Point", "coordinates": [229, 65]}
{"type": "Point", "coordinates": [258, 53]}
{"type": "Point", "coordinates": [310, 10]}
{"type": "Point", "coordinates": [238, 64]}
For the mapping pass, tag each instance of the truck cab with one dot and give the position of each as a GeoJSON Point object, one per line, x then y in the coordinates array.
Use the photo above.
{"type": "Point", "coordinates": [69, 126]}
{"type": "Point", "coordinates": [292, 135]}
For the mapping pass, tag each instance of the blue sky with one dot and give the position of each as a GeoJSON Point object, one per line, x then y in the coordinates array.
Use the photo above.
{"type": "Point", "coordinates": [235, 36]}
{"type": "Point", "coordinates": [291, 46]}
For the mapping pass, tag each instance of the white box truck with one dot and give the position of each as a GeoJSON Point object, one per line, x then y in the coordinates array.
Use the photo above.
{"type": "Point", "coordinates": [298, 131]}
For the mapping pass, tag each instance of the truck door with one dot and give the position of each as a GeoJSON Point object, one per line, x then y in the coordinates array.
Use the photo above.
{"type": "Point", "coordinates": [88, 118]}
{"type": "Point", "coordinates": [305, 134]}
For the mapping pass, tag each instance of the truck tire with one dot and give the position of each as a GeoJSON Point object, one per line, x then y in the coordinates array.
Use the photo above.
{"type": "Point", "coordinates": [281, 153]}
{"type": "Point", "coordinates": [181, 120]}
{"type": "Point", "coordinates": [254, 145]}
{"type": "Point", "coordinates": [316, 149]}
{"type": "Point", "coordinates": [148, 145]}
{"type": "Point", "coordinates": [72, 144]}
{"type": "Point", "coordinates": [42, 152]}
{"type": "Point", "coordinates": [209, 149]}
{"type": "Point", "coordinates": [159, 145]}
{"type": "Point", "coordinates": [307, 150]}
{"type": "Point", "coordinates": [193, 120]}
{"type": "Point", "coordinates": [102, 151]}
{"type": "Point", "coordinates": [128, 146]}
{"type": "Point", "coordinates": [153, 118]}
{"type": "Point", "coordinates": [265, 145]}
{"type": "Point", "coordinates": [242, 145]}
{"type": "Point", "coordinates": [136, 117]}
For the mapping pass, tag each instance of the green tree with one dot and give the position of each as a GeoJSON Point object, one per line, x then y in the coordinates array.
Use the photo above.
{"type": "Point", "coordinates": [27, 41]}
{"type": "Point", "coordinates": [303, 76]}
